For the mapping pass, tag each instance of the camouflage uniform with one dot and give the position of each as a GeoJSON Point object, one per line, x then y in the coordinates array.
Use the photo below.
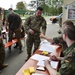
{"type": "Point", "coordinates": [22, 32]}
{"type": "Point", "coordinates": [14, 25]}
{"type": "Point", "coordinates": [34, 23]}
{"type": "Point", "coordinates": [68, 64]}
{"type": "Point", "coordinates": [2, 51]}
{"type": "Point", "coordinates": [0, 26]}
{"type": "Point", "coordinates": [59, 40]}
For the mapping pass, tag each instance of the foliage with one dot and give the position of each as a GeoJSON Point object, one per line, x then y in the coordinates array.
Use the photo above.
{"type": "Point", "coordinates": [20, 5]}
{"type": "Point", "coordinates": [53, 8]}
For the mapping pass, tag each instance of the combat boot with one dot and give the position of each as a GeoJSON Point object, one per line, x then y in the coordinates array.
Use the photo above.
{"type": "Point", "coordinates": [3, 66]}
{"type": "Point", "coordinates": [20, 50]}
{"type": "Point", "coordinates": [16, 46]}
{"type": "Point", "coordinates": [28, 57]}
{"type": "Point", "coordinates": [9, 49]}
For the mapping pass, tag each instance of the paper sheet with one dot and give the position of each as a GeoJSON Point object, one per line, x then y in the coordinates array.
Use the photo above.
{"type": "Point", "coordinates": [53, 64]}
{"type": "Point", "coordinates": [45, 42]}
{"type": "Point", "coordinates": [37, 74]}
{"type": "Point", "coordinates": [39, 57]}
{"type": "Point", "coordinates": [48, 48]}
{"type": "Point", "coordinates": [40, 63]}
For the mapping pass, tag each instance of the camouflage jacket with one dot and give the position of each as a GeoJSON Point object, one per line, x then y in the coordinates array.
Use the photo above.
{"type": "Point", "coordinates": [68, 64]}
{"type": "Point", "coordinates": [37, 24]}
{"type": "Point", "coordinates": [58, 40]}
{"type": "Point", "coordinates": [0, 25]}
{"type": "Point", "coordinates": [2, 52]}
{"type": "Point", "coordinates": [13, 21]}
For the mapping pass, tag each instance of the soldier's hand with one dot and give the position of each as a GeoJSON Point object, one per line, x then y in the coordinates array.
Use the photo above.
{"type": "Point", "coordinates": [31, 31]}
{"type": "Point", "coordinates": [42, 35]}
{"type": "Point", "coordinates": [0, 37]}
{"type": "Point", "coordinates": [47, 63]}
{"type": "Point", "coordinates": [53, 57]}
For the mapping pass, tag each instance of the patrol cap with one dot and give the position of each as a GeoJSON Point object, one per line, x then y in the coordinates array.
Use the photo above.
{"type": "Point", "coordinates": [40, 8]}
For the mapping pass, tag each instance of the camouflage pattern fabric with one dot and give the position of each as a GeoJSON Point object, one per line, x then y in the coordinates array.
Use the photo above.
{"type": "Point", "coordinates": [35, 23]}
{"type": "Point", "coordinates": [30, 40]}
{"type": "Point", "coordinates": [59, 40]}
{"type": "Point", "coordinates": [2, 53]}
{"type": "Point", "coordinates": [68, 64]}
{"type": "Point", "coordinates": [14, 24]}
{"type": "Point", "coordinates": [0, 26]}
{"type": "Point", "coordinates": [17, 36]}
{"type": "Point", "coordinates": [22, 32]}
{"type": "Point", "coordinates": [38, 25]}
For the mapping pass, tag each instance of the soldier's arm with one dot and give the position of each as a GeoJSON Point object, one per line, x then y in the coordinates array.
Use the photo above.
{"type": "Point", "coordinates": [48, 39]}
{"type": "Point", "coordinates": [26, 24]}
{"type": "Point", "coordinates": [44, 26]}
{"type": "Point", "coordinates": [20, 20]}
{"type": "Point", "coordinates": [2, 13]}
{"type": "Point", "coordinates": [1, 19]}
{"type": "Point", "coordinates": [58, 40]}
{"type": "Point", "coordinates": [6, 22]}
{"type": "Point", "coordinates": [6, 25]}
{"type": "Point", "coordinates": [50, 69]}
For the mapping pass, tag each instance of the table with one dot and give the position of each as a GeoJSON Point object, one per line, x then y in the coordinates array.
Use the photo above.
{"type": "Point", "coordinates": [33, 63]}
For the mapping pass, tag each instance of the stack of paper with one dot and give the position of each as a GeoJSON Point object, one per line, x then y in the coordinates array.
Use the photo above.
{"type": "Point", "coordinates": [45, 42]}
{"type": "Point", "coordinates": [37, 74]}
{"type": "Point", "coordinates": [54, 64]}
{"type": "Point", "coordinates": [48, 48]}
{"type": "Point", "coordinates": [39, 57]}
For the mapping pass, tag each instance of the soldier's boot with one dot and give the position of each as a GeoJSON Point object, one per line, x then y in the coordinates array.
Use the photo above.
{"type": "Point", "coordinates": [9, 49]}
{"type": "Point", "coordinates": [3, 66]}
{"type": "Point", "coordinates": [0, 71]}
{"type": "Point", "coordinates": [16, 46]}
{"type": "Point", "coordinates": [20, 50]}
{"type": "Point", "coordinates": [28, 57]}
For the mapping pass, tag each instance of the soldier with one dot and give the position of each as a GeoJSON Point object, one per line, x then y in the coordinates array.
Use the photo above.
{"type": "Point", "coordinates": [14, 23]}
{"type": "Point", "coordinates": [33, 24]}
{"type": "Point", "coordinates": [68, 61]}
{"type": "Point", "coordinates": [2, 51]}
{"type": "Point", "coordinates": [57, 40]}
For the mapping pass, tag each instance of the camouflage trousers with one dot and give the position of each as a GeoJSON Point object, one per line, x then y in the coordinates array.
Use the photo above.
{"type": "Point", "coordinates": [32, 39]}
{"type": "Point", "coordinates": [17, 34]}
{"type": "Point", "coordinates": [2, 53]}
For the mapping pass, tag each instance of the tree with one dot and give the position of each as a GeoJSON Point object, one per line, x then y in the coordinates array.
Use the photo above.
{"type": "Point", "coordinates": [20, 6]}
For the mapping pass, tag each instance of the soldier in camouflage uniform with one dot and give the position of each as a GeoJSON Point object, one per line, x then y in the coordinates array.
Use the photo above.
{"type": "Point", "coordinates": [14, 24]}
{"type": "Point", "coordinates": [34, 26]}
{"type": "Point", "coordinates": [2, 51]}
{"type": "Point", "coordinates": [68, 61]}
